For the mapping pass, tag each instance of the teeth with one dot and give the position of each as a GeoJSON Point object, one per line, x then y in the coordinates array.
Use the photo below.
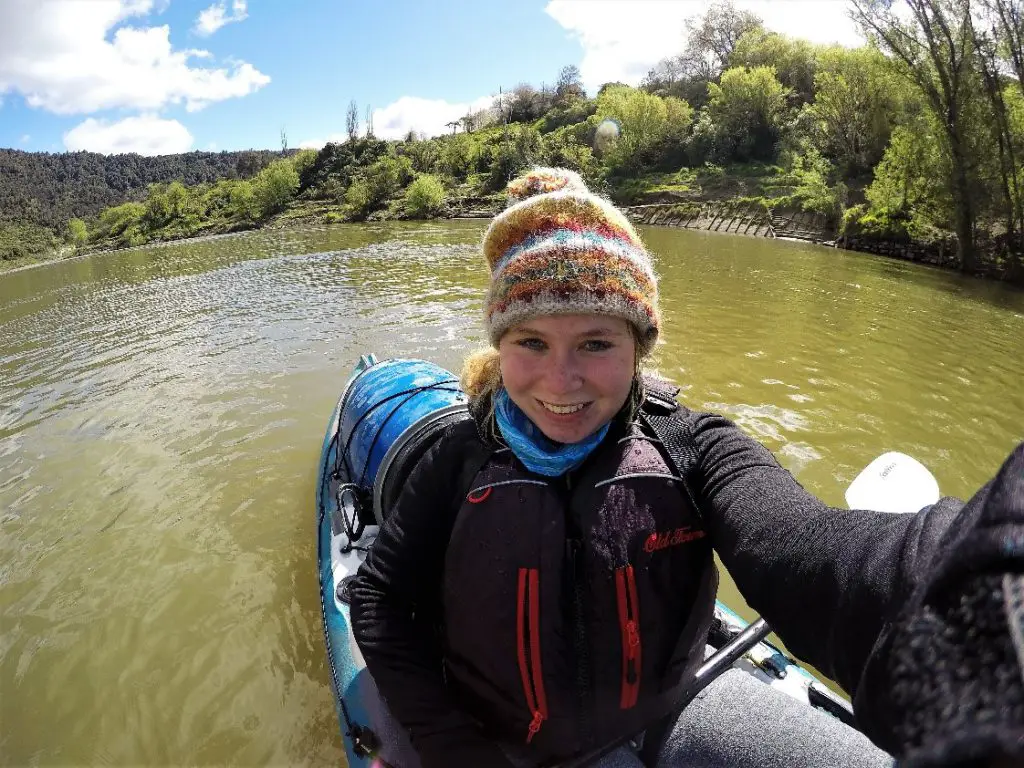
{"type": "Point", "coordinates": [563, 409]}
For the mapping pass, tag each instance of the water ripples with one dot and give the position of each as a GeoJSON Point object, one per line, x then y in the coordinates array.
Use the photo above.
{"type": "Point", "coordinates": [162, 411]}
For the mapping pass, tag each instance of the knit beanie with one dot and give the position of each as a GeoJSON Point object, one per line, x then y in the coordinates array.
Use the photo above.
{"type": "Point", "coordinates": [558, 249]}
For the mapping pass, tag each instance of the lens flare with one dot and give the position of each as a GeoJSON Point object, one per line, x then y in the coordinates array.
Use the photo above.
{"type": "Point", "coordinates": [607, 134]}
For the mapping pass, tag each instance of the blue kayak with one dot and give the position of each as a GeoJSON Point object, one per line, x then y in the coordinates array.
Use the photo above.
{"type": "Point", "coordinates": [389, 413]}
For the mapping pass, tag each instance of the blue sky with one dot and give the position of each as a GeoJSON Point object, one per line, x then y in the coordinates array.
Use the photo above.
{"type": "Point", "coordinates": [160, 76]}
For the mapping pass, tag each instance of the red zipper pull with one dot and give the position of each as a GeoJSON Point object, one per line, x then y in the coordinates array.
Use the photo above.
{"type": "Point", "coordinates": [538, 718]}
{"type": "Point", "coordinates": [634, 635]}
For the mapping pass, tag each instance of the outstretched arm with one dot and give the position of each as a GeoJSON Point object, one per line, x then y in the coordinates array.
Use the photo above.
{"type": "Point", "coordinates": [919, 616]}
{"type": "Point", "coordinates": [825, 579]}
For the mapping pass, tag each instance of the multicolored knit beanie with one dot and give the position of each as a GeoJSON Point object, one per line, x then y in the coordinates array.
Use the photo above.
{"type": "Point", "coordinates": [561, 250]}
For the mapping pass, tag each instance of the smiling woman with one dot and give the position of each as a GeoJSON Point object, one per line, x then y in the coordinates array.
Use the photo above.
{"type": "Point", "coordinates": [569, 374]}
{"type": "Point", "coordinates": [541, 589]}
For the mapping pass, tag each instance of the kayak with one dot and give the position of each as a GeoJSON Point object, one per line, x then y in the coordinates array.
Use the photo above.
{"type": "Point", "coordinates": [389, 413]}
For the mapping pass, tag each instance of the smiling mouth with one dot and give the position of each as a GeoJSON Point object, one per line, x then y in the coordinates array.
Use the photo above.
{"type": "Point", "coordinates": [563, 410]}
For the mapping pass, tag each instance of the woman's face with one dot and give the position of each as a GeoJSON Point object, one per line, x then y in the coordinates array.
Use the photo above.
{"type": "Point", "coordinates": [570, 374]}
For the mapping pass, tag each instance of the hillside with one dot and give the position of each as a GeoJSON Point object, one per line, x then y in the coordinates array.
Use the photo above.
{"type": "Point", "coordinates": [47, 189]}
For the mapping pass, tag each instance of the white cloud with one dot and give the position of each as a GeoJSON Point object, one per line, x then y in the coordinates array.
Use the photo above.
{"type": "Point", "coordinates": [426, 116]}
{"type": "Point", "coordinates": [623, 39]}
{"type": "Point", "coordinates": [318, 143]}
{"type": "Point", "coordinates": [146, 134]}
{"type": "Point", "coordinates": [59, 54]}
{"type": "Point", "coordinates": [216, 16]}
{"type": "Point", "coordinates": [25, 138]}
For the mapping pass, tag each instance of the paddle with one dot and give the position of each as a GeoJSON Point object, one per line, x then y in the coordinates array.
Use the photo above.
{"type": "Point", "coordinates": [893, 482]}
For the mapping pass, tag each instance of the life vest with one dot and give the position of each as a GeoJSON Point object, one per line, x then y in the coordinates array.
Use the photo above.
{"type": "Point", "coordinates": [576, 608]}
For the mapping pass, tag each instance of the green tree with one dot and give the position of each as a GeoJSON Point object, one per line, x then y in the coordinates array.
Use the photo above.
{"type": "Point", "coordinates": [795, 61]}
{"type": "Point", "coordinates": [645, 121]}
{"type": "Point", "coordinates": [858, 100]}
{"type": "Point", "coordinates": [710, 44]}
{"type": "Point", "coordinates": [427, 156]}
{"type": "Point", "coordinates": [935, 47]}
{"type": "Point", "coordinates": [908, 196]}
{"type": "Point", "coordinates": [303, 160]}
{"type": "Point", "coordinates": [377, 184]}
{"type": "Point", "coordinates": [749, 113]}
{"type": "Point", "coordinates": [425, 196]}
{"type": "Point", "coordinates": [358, 199]}
{"type": "Point", "coordinates": [123, 224]}
{"type": "Point", "coordinates": [712, 38]}
{"type": "Point", "coordinates": [274, 187]}
{"type": "Point", "coordinates": [242, 201]}
{"type": "Point", "coordinates": [78, 233]}
{"type": "Point", "coordinates": [998, 40]}
{"type": "Point", "coordinates": [456, 157]}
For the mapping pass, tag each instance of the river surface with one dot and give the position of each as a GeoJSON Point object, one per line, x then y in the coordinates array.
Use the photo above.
{"type": "Point", "coordinates": [162, 411]}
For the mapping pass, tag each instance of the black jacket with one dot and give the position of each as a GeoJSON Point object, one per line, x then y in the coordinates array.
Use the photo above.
{"type": "Point", "coordinates": [854, 593]}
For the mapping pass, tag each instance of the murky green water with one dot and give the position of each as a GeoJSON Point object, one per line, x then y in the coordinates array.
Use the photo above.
{"type": "Point", "coordinates": [162, 410]}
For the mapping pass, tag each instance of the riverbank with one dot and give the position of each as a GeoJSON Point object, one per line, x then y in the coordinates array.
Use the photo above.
{"type": "Point", "coordinates": [687, 200]}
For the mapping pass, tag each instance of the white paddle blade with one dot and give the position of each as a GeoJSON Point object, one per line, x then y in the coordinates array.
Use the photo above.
{"type": "Point", "coordinates": [894, 482]}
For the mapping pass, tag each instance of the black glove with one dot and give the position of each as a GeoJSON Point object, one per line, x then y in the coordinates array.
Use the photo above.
{"type": "Point", "coordinates": [944, 684]}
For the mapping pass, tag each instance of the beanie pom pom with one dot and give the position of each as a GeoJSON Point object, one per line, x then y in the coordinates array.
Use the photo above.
{"type": "Point", "coordinates": [539, 181]}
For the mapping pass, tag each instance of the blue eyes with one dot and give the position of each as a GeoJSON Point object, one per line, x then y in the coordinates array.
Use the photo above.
{"type": "Point", "coordinates": [591, 345]}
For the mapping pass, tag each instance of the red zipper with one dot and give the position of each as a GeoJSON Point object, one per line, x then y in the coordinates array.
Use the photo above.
{"type": "Point", "coordinates": [629, 623]}
{"type": "Point", "coordinates": [528, 645]}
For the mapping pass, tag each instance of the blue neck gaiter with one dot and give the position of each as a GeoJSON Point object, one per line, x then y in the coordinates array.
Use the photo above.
{"type": "Point", "coordinates": [531, 447]}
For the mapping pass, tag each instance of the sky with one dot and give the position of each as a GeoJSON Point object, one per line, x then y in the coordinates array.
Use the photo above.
{"type": "Point", "coordinates": [168, 76]}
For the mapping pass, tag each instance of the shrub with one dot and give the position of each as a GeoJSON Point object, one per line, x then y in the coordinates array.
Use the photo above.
{"type": "Point", "coordinates": [425, 196]}
{"type": "Point", "coordinates": [274, 186]}
{"type": "Point", "coordinates": [77, 234]}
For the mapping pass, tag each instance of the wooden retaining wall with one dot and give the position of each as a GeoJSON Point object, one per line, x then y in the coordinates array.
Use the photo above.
{"type": "Point", "coordinates": [736, 218]}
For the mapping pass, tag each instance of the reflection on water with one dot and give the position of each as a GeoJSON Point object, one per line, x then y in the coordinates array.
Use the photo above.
{"type": "Point", "coordinates": [162, 411]}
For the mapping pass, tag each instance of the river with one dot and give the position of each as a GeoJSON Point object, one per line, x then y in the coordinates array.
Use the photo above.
{"type": "Point", "coordinates": [162, 411]}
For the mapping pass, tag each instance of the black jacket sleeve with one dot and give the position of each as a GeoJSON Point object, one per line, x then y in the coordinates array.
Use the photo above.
{"type": "Point", "coordinates": [846, 591]}
{"type": "Point", "coordinates": [826, 579]}
{"type": "Point", "coordinates": [396, 611]}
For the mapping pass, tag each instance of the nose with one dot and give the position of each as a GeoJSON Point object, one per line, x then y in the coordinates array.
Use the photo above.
{"type": "Point", "coordinates": [565, 375]}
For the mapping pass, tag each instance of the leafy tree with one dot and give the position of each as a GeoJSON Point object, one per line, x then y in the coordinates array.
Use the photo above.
{"type": "Point", "coordinates": [358, 199]}
{"type": "Point", "coordinates": [561, 149]}
{"type": "Point", "coordinates": [123, 224]}
{"type": "Point", "coordinates": [525, 104]}
{"type": "Point", "coordinates": [934, 45]}
{"type": "Point", "coordinates": [998, 38]}
{"type": "Point", "coordinates": [165, 203]}
{"type": "Point", "coordinates": [242, 201]}
{"type": "Point", "coordinates": [274, 187]}
{"type": "Point", "coordinates": [425, 196]}
{"type": "Point", "coordinates": [645, 121]}
{"type": "Point", "coordinates": [858, 100]}
{"type": "Point", "coordinates": [569, 86]}
{"type": "Point", "coordinates": [794, 61]}
{"type": "Point", "coordinates": [425, 156]}
{"type": "Point", "coordinates": [710, 42]}
{"type": "Point", "coordinates": [908, 196]}
{"type": "Point", "coordinates": [813, 181]}
{"type": "Point", "coordinates": [749, 113]}
{"type": "Point", "coordinates": [377, 184]}
{"type": "Point", "coordinates": [456, 157]}
{"type": "Point", "coordinates": [22, 240]}
{"type": "Point", "coordinates": [78, 233]}
{"type": "Point", "coordinates": [303, 160]}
